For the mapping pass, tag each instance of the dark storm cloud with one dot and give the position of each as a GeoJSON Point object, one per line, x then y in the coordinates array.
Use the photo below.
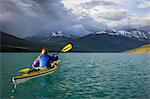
{"type": "Point", "coordinates": [96, 26]}
{"type": "Point", "coordinates": [30, 17]}
{"type": "Point", "coordinates": [52, 8]}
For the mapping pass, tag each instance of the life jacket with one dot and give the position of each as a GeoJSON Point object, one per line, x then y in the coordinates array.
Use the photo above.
{"type": "Point", "coordinates": [44, 61]}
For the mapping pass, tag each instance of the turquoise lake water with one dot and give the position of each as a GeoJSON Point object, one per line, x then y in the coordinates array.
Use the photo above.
{"type": "Point", "coordinates": [80, 76]}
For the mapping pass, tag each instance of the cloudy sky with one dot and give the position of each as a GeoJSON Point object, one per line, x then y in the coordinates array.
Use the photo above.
{"type": "Point", "coordinates": [79, 17]}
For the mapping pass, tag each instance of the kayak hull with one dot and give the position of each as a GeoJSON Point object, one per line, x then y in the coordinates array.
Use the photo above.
{"type": "Point", "coordinates": [34, 74]}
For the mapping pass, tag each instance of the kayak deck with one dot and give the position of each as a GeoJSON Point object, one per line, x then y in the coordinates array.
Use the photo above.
{"type": "Point", "coordinates": [34, 74]}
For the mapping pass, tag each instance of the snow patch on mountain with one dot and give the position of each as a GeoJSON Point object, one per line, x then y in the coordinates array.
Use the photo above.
{"type": "Point", "coordinates": [127, 33]}
{"type": "Point", "coordinates": [58, 34]}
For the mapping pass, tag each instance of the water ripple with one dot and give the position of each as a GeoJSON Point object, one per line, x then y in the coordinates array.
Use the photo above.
{"type": "Point", "coordinates": [84, 76]}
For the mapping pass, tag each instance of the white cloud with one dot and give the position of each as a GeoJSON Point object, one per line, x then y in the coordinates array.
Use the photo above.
{"type": "Point", "coordinates": [144, 4]}
{"type": "Point", "coordinates": [113, 13]}
{"type": "Point", "coordinates": [140, 22]}
{"type": "Point", "coordinates": [132, 21]}
{"type": "Point", "coordinates": [109, 13]}
{"type": "Point", "coordinates": [98, 9]}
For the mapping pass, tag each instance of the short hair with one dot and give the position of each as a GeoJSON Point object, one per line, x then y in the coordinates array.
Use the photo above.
{"type": "Point", "coordinates": [44, 51]}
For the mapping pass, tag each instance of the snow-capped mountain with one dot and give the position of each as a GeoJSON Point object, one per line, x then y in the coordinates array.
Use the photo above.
{"type": "Point", "coordinates": [133, 33]}
{"type": "Point", "coordinates": [58, 34]}
{"type": "Point", "coordinates": [61, 34]}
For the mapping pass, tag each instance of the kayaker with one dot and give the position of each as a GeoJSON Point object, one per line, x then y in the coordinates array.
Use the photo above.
{"type": "Point", "coordinates": [44, 60]}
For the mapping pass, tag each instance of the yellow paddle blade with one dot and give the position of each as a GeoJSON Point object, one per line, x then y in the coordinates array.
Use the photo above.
{"type": "Point", "coordinates": [24, 70]}
{"type": "Point", "coordinates": [67, 48]}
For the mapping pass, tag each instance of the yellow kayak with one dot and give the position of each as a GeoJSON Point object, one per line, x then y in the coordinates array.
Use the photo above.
{"type": "Point", "coordinates": [35, 74]}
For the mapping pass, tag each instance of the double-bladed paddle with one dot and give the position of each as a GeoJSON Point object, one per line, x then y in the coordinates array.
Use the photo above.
{"type": "Point", "coordinates": [65, 49]}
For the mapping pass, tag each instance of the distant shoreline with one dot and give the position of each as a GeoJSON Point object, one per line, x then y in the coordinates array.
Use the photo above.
{"type": "Point", "coordinates": [19, 49]}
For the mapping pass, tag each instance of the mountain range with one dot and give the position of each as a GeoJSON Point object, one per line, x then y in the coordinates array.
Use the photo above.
{"type": "Point", "coordinates": [11, 43]}
{"type": "Point", "coordinates": [100, 41]}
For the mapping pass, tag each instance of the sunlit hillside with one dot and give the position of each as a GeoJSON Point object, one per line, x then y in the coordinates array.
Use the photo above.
{"type": "Point", "coordinates": [142, 49]}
